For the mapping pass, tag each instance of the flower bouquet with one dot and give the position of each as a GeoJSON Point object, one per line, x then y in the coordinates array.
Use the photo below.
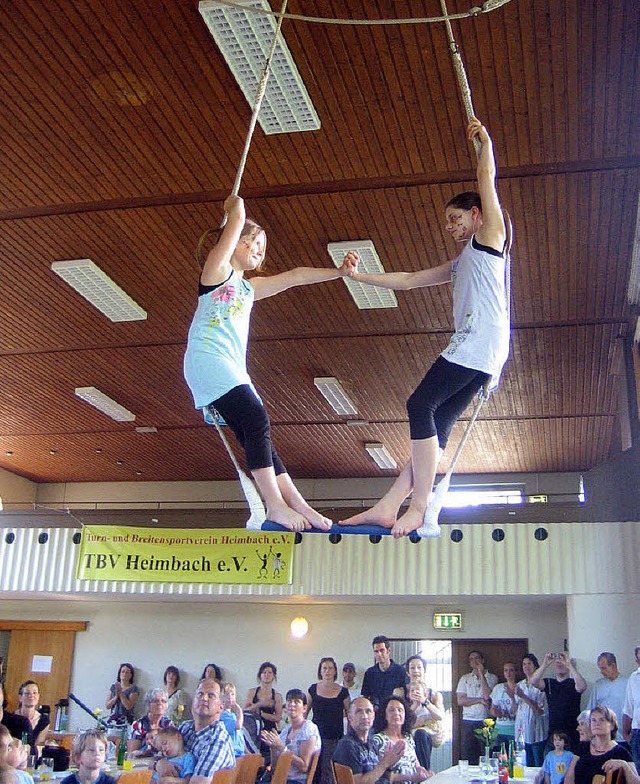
{"type": "Point", "coordinates": [487, 734]}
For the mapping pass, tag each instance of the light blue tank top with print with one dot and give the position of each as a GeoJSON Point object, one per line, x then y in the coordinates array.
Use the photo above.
{"type": "Point", "coordinates": [480, 311]}
{"type": "Point", "coordinates": [216, 358]}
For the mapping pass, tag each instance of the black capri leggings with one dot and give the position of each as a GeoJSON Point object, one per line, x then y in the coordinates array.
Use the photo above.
{"type": "Point", "coordinates": [245, 414]}
{"type": "Point", "coordinates": [440, 398]}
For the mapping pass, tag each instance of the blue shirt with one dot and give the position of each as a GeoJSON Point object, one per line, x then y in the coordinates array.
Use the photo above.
{"type": "Point", "coordinates": [557, 765]}
{"type": "Point", "coordinates": [360, 756]}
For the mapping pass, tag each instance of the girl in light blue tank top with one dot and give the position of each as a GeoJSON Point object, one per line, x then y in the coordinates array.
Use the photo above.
{"type": "Point", "coordinates": [475, 355]}
{"type": "Point", "coordinates": [215, 363]}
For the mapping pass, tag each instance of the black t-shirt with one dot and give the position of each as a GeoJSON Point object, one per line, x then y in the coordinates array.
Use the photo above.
{"type": "Point", "coordinates": [564, 705]}
{"type": "Point", "coordinates": [379, 684]}
{"type": "Point", "coordinates": [589, 764]}
{"type": "Point", "coordinates": [16, 724]}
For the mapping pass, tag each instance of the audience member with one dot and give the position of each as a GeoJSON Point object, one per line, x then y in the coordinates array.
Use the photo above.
{"type": "Point", "coordinates": [531, 716]}
{"type": "Point", "coordinates": [264, 701]}
{"type": "Point", "coordinates": [17, 758]}
{"type": "Point", "coordinates": [211, 672]}
{"type": "Point", "coordinates": [397, 726]}
{"type": "Point", "coordinates": [631, 711]}
{"type": "Point", "coordinates": [233, 718]}
{"type": "Point", "coordinates": [349, 680]}
{"type": "Point", "coordinates": [504, 705]}
{"type": "Point", "coordinates": [178, 701]}
{"type": "Point", "coordinates": [563, 693]}
{"type": "Point", "coordinates": [556, 763]}
{"type": "Point", "coordinates": [16, 724]}
{"type": "Point", "coordinates": [300, 736]}
{"type": "Point", "coordinates": [89, 753]}
{"type": "Point", "coordinates": [122, 696]}
{"type": "Point", "coordinates": [431, 733]}
{"type": "Point", "coordinates": [357, 750]}
{"type": "Point", "coordinates": [383, 677]}
{"type": "Point", "coordinates": [144, 730]}
{"type": "Point", "coordinates": [610, 690]}
{"type": "Point", "coordinates": [473, 694]}
{"type": "Point", "coordinates": [602, 747]}
{"type": "Point", "coordinates": [204, 736]}
{"type": "Point", "coordinates": [329, 703]}
{"type": "Point", "coordinates": [170, 743]}
{"type": "Point", "coordinates": [29, 699]}
{"type": "Point", "coordinates": [584, 728]}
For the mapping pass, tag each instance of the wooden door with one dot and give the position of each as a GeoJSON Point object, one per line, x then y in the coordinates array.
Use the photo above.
{"type": "Point", "coordinates": [29, 639]}
{"type": "Point", "coordinates": [496, 653]}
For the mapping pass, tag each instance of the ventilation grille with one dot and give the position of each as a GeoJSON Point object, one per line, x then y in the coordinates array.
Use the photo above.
{"type": "Point", "coordinates": [97, 288]}
{"type": "Point", "coordinates": [366, 297]}
{"type": "Point", "coordinates": [244, 38]}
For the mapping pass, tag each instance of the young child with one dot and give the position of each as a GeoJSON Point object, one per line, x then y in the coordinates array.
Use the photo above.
{"type": "Point", "coordinates": [17, 758]}
{"type": "Point", "coordinates": [89, 753]}
{"type": "Point", "coordinates": [476, 352]}
{"type": "Point", "coordinates": [170, 743]}
{"type": "Point", "coordinates": [233, 718]}
{"type": "Point", "coordinates": [556, 763]}
{"type": "Point", "coordinates": [215, 363]}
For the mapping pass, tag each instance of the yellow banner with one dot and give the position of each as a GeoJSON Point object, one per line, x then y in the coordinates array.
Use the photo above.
{"type": "Point", "coordinates": [175, 555]}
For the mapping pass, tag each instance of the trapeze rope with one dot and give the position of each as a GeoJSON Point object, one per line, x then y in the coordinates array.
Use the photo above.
{"type": "Point", "coordinates": [487, 7]}
{"type": "Point", "coordinates": [251, 494]}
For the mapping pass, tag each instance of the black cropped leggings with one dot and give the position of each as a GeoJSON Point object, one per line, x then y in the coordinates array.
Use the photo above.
{"type": "Point", "coordinates": [245, 414]}
{"type": "Point", "coordinates": [440, 399]}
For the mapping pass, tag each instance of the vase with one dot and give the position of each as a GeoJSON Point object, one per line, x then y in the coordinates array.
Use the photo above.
{"type": "Point", "coordinates": [485, 764]}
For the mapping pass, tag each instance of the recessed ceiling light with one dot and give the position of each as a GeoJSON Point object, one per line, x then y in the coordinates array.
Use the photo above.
{"type": "Point", "coordinates": [97, 288]}
{"type": "Point", "coordinates": [119, 462]}
{"type": "Point", "coordinates": [245, 38]}
{"type": "Point", "coordinates": [381, 456]}
{"type": "Point", "coordinates": [332, 391]}
{"type": "Point", "coordinates": [8, 453]}
{"type": "Point", "coordinates": [365, 296]}
{"type": "Point", "coordinates": [138, 473]}
{"type": "Point", "coordinates": [105, 404]}
{"type": "Point", "coordinates": [53, 451]}
{"type": "Point", "coordinates": [98, 451]}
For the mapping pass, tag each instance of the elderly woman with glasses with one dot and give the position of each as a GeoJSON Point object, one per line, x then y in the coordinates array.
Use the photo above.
{"type": "Point", "coordinates": [144, 730]}
{"type": "Point", "coordinates": [602, 747]}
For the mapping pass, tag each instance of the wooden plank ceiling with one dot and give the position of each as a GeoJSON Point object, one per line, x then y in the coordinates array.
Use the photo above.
{"type": "Point", "coordinates": [121, 131]}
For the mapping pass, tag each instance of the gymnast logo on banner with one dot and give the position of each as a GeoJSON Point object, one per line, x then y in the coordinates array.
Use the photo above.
{"type": "Point", "coordinates": [226, 555]}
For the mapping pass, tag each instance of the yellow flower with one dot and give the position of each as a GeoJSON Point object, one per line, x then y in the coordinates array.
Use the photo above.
{"type": "Point", "coordinates": [97, 712]}
{"type": "Point", "coordinates": [489, 722]}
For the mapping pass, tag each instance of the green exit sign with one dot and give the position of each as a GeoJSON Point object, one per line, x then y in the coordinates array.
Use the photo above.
{"type": "Point", "coordinates": [450, 620]}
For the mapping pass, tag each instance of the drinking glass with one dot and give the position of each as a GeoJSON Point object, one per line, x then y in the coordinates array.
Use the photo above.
{"type": "Point", "coordinates": [463, 768]}
{"type": "Point", "coordinates": [31, 764]}
{"type": "Point", "coordinates": [46, 768]}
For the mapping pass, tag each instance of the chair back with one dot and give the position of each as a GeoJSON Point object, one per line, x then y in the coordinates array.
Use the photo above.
{"type": "Point", "coordinates": [313, 764]}
{"type": "Point", "coordinates": [226, 776]}
{"type": "Point", "coordinates": [136, 776]}
{"type": "Point", "coordinates": [609, 778]}
{"type": "Point", "coordinates": [281, 771]}
{"type": "Point", "coordinates": [247, 768]}
{"type": "Point", "coordinates": [343, 773]}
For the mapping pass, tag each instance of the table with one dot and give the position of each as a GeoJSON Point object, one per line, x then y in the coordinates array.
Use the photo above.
{"type": "Point", "coordinates": [451, 776]}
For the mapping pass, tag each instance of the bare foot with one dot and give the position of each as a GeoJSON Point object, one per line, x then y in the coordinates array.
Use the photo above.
{"type": "Point", "coordinates": [410, 521]}
{"type": "Point", "coordinates": [286, 516]}
{"type": "Point", "coordinates": [315, 519]}
{"type": "Point", "coordinates": [379, 514]}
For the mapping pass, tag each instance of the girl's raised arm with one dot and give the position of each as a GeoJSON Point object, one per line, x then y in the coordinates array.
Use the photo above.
{"type": "Point", "coordinates": [302, 276]}
{"type": "Point", "coordinates": [492, 232]}
{"type": "Point", "coordinates": [217, 266]}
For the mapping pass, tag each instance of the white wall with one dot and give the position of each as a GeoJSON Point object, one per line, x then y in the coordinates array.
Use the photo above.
{"type": "Point", "coordinates": [16, 490]}
{"type": "Point", "coordinates": [239, 635]}
{"type": "Point", "coordinates": [603, 623]}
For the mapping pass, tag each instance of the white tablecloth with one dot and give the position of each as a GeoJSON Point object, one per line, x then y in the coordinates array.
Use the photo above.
{"type": "Point", "coordinates": [451, 776]}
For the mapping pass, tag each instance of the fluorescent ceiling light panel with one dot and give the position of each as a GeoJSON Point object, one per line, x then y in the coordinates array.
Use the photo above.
{"type": "Point", "coordinates": [105, 404]}
{"type": "Point", "coordinates": [97, 287]}
{"type": "Point", "coordinates": [633, 290]}
{"type": "Point", "coordinates": [332, 391]}
{"type": "Point", "coordinates": [244, 38]}
{"type": "Point", "coordinates": [380, 456]}
{"type": "Point", "coordinates": [366, 297]}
